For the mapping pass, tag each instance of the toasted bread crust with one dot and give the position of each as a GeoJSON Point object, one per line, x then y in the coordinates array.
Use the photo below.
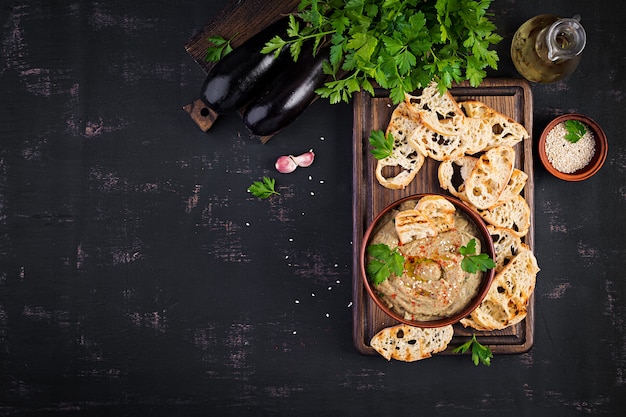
{"type": "Point", "coordinates": [506, 303]}
{"type": "Point", "coordinates": [405, 159]}
{"type": "Point", "coordinates": [407, 343]}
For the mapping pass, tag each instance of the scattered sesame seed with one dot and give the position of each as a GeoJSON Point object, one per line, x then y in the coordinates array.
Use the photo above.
{"type": "Point", "coordinates": [312, 193]}
{"type": "Point", "coordinates": [350, 304]}
{"type": "Point", "coordinates": [297, 301]}
{"type": "Point", "coordinates": [247, 224]}
{"type": "Point", "coordinates": [294, 332]}
{"type": "Point", "coordinates": [327, 315]}
{"type": "Point", "coordinates": [312, 294]}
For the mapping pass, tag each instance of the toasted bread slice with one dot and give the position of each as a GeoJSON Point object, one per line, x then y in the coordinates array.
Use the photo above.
{"type": "Point", "coordinates": [507, 245]}
{"type": "Point", "coordinates": [516, 184]}
{"type": "Point", "coordinates": [478, 136]}
{"type": "Point", "coordinates": [439, 112]}
{"type": "Point", "coordinates": [506, 303]}
{"type": "Point", "coordinates": [513, 214]}
{"type": "Point", "coordinates": [405, 161]}
{"type": "Point", "coordinates": [490, 176]}
{"type": "Point", "coordinates": [439, 210]}
{"type": "Point", "coordinates": [504, 130]}
{"type": "Point", "coordinates": [413, 224]}
{"type": "Point", "coordinates": [459, 168]}
{"type": "Point", "coordinates": [407, 343]}
{"type": "Point", "coordinates": [435, 145]}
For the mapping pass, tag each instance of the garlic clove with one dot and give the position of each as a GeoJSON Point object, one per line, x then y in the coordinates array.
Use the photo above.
{"type": "Point", "coordinates": [304, 160]}
{"type": "Point", "coordinates": [286, 164]}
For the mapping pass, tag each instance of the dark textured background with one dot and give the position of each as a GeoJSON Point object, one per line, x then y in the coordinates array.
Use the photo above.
{"type": "Point", "coordinates": [138, 277]}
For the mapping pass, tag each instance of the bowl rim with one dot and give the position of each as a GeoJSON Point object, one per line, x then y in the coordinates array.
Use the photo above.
{"type": "Point", "coordinates": [487, 247]}
{"type": "Point", "coordinates": [596, 162]}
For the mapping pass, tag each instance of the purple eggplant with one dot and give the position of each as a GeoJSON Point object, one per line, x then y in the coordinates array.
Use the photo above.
{"type": "Point", "coordinates": [289, 95]}
{"type": "Point", "coordinates": [242, 74]}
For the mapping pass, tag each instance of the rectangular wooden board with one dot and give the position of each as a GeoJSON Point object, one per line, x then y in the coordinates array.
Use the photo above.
{"type": "Point", "coordinates": [511, 97]}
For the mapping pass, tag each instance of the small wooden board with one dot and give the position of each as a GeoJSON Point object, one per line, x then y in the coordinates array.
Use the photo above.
{"type": "Point", "coordinates": [238, 20]}
{"type": "Point", "coordinates": [511, 97]}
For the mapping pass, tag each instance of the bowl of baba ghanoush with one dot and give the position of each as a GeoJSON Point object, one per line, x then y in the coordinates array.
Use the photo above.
{"type": "Point", "coordinates": [427, 260]}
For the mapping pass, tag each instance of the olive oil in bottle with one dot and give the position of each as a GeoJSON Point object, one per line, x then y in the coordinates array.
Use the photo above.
{"type": "Point", "coordinates": [546, 48]}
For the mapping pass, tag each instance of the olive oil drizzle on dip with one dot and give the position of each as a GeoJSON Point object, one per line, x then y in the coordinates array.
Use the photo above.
{"type": "Point", "coordinates": [433, 285]}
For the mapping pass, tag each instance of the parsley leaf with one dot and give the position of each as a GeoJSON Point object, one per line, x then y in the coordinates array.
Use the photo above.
{"type": "Point", "coordinates": [480, 353]}
{"type": "Point", "coordinates": [575, 130]}
{"type": "Point", "coordinates": [384, 262]}
{"type": "Point", "coordinates": [473, 263]}
{"type": "Point", "coordinates": [263, 189]}
{"type": "Point", "coordinates": [382, 144]}
{"type": "Point", "coordinates": [220, 48]}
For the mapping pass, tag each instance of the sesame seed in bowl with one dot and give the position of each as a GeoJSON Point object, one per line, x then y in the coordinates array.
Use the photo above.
{"type": "Point", "coordinates": [573, 147]}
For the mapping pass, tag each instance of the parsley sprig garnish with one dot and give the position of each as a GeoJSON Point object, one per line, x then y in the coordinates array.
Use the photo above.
{"type": "Point", "coordinates": [220, 47]}
{"type": "Point", "coordinates": [382, 145]}
{"type": "Point", "coordinates": [384, 262]}
{"type": "Point", "coordinates": [480, 353]}
{"type": "Point", "coordinates": [401, 45]}
{"type": "Point", "coordinates": [264, 188]}
{"type": "Point", "coordinates": [473, 263]}
{"type": "Point", "coordinates": [575, 130]}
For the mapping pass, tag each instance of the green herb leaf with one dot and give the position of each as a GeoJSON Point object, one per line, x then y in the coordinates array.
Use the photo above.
{"type": "Point", "coordinates": [480, 353]}
{"type": "Point", "coordinates": [221, 47]}
{"type": "Point", "coordinates": [382, 145]}
{"type": "Point", "coordinates": [274, 45]}
{"type": "Point", "coordinates": [473, 263]}
{"type": "Point", "coordinates": [575, 130]}
{"type": "Point", "coordinates": [385, 261]}
{"type": "Point", "coordinates": [264, 188]}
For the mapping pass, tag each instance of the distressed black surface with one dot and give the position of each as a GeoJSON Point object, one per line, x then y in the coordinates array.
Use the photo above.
{"type": "Point", "coordinates": [138, 276]}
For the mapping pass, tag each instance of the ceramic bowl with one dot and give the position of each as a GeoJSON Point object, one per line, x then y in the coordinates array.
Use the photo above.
{"type": "Point", "coordinates": [486, 247]}
{"type": "Point", "coordinates": [596, 162]}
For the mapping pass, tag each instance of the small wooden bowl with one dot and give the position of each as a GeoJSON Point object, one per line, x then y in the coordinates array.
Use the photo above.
{"type": "Point", "coordinates": [598, 158]}
{"type": "Point", "coordinates": [487, 277]}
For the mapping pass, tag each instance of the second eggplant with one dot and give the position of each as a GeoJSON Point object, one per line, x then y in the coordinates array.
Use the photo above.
{"type": "Point", "coordinates": [290, 94]}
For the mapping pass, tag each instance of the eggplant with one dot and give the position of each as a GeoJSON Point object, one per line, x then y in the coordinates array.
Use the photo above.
{"type": "Point", "coordinates": [242, 74]}
{"type": "Point", "coordinates": [290, 94]}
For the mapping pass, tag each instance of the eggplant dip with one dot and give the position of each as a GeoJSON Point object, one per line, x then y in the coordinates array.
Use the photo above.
{"type": "Point", "coordinates": [432, 285]}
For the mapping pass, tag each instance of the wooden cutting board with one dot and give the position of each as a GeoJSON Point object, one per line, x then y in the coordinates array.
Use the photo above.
{"type": "Point", "coordinates": [511, 97]}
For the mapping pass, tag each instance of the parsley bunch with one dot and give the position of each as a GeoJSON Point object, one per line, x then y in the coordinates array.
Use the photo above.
{"type": "Point", "coordinates": [400, 44]}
